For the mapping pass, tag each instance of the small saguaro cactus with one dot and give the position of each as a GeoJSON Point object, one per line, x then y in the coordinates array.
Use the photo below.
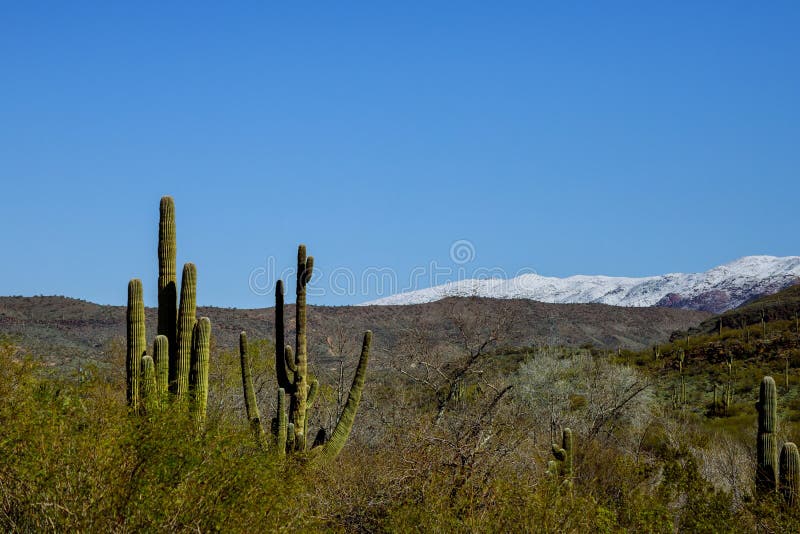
{"type": "Point", "coordinates": [161, 361]}
{"type": "Point", "coordinates": [150, 393]}
{"type": "Point", "coordinates": [729, 388]}
{"type": "Point", "coordinates": [786, 371]}
{"type": "Point", "coordinates": [767, 445]}
{"type": "Point", "coordinates": [295, 382]}
{"type": "Point", "coordinates": [562, 465]}
{"type": "Point", "coordinates": [790, 474]}
{"type": "Point", "coordinates": [714, 401]}
{"type": "Point", "coordinates": [681, 358]}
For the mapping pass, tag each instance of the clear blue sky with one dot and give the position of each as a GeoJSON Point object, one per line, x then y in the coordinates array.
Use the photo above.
{"type": "Point", "coordinates": [565, 137]}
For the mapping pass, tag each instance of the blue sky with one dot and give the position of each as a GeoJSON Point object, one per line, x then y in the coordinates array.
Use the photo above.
{"type": "Point", "coordinates": [622, 138]}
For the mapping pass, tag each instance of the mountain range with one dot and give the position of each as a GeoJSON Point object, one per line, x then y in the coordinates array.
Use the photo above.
{"type": "Point", "coordinates": [717, 290]}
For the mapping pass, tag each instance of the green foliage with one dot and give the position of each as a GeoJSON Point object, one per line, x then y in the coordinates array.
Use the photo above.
{"type": "Point", "coordinates": [74, 461]}
{"type": "Point", "coordinates": [703, 509]}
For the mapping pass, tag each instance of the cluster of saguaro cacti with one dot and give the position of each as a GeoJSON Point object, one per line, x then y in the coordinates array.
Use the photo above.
{"type": "Point", "coordinates": [179, 360]}
{"type": "Point", "coordinates": [562, 464]}
{"type": "Point", "coordinates": [774, 473]}
{"type": "Point", "coordinates": [290, 423]}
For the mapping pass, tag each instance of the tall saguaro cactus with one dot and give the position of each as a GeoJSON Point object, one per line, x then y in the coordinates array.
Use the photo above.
{"type": "Point", "coordinates": [137, 343]}
{"type": "Point", "coordinates": [298, 405]}
{"type": "Point", "coordinates": [167, 283]}
{"type": "Point", "coordinates": [294, 380]}
{"type": "Point", "coordinates": [767, 445]}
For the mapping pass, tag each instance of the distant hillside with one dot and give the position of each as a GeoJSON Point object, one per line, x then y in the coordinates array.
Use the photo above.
{"type": "Point", "coordinates": [68, 332]}
{"type": "Point", "coordinates": [781, 306]}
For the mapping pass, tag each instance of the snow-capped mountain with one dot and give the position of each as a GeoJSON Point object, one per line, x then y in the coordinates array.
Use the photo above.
{"type": "Point", "coordinates": [715, 290]}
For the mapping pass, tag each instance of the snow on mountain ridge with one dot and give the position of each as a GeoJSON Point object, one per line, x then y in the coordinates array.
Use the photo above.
{"type": "Point", "coordinates": [718, 289]}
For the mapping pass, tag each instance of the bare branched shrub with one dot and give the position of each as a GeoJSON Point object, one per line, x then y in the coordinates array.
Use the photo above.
{"type": "Point", "coordinates": [571, 388]}
{"type": "Point", "coordinates": [728, 464]}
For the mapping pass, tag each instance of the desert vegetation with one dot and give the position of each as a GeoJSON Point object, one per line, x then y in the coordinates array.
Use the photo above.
{"type": "Point", "coordinates": [462, 428]}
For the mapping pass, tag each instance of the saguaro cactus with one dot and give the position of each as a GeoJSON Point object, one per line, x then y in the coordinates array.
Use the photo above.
{"type": "Point", "coordinates": [198, 377]}
{"type": "Point", "coordinates": [294, 380]}
{"type": "Point", "coordinates": [562, 465]}
{"type": "Point", "coordinates": [250, 403]}
{"type": "Point", "coordinates": [767, 445]}
{"type": "Point", "coordinates": [137, 343]}
{"type": "Point", "coordinates": [729, 389]}
{"type": "Point", "coordinates": [180, 359]}
{"type": "Point", "coordinates": [167, 284]}
{"type": "Point", "coordinates": [161, 361]}
{"type": "Point", "coordinates": [298, 405]}
{"type": "Point", "coordinates": [150, 393]}
{"type": "Point", "coordinates": [681, 358]}
{"type": "Point", "coordinates": [341, 431]}
{"type": "Point", "coordinates": [790, 474]}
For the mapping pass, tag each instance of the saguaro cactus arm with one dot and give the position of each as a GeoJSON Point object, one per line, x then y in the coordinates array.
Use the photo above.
{"type": "Point", "coordinates": [250, 403]}
{"type": "Point", "coordinates": [285, 376]}
{"type": "Point", "coordinates": [345, 424]}
{"type": "Point", "coordinates": [180, 359]}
